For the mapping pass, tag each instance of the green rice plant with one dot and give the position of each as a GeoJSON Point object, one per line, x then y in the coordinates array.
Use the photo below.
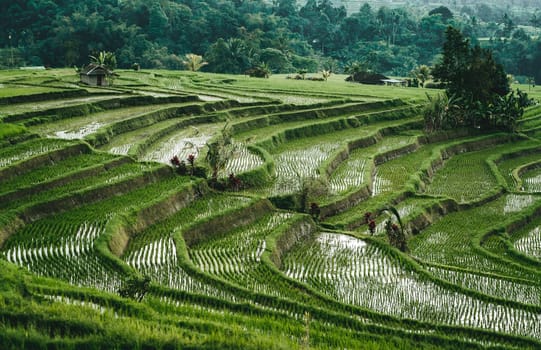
{"type": "Point", "coordinates": [28, 149]}
{"type": "Point", "coordinates": [495, 285]}
{"type": "Point", "coordinates": [530, 119]}
{"type": "Point", "coordinates": [357, 169]}
{"type": "Point", "coordinates": [54, 169]}
{"type": "Point", "coordinates": [213, 258]}
{"type": "Point", "coordinates": [64, 251]}
{"type": "Point", "coordinates": [508, 165]}
{"type": "Point", "coordinates": [80, 127]}
{"type": "Point", "coordinates": [531, 181]}
{"type": "Point", "coordinates": [190, 140]}
{"type": "Point", "coordinates": [293, 166]}
{"type": "Point", "coordinates": [20, 111]}
{"type": "Point", "coordinates": [122, 142]}
{"type": "Point", "coordinates": [109, 177]}
{"type": "Point", "coordinates": [11, 90]}
{"type": "Point", "coordinates": [158, 260]}
{"type": "Point", "coordinates": [389, 181]}
{"type": "Point", "coordinates": [359, 273]}
{"type": "Point", "coordinates": [454, 240]}
{"type": "Point", "coordinates": [243, 160]}
{"type": "Point", "coordinates": [153, 252]}
{"type": "Point", "coordinates": [11, 130]}
{"type": "Point", "coordinates": [66, 246]}
{"type": "Point", "coordinates": [199, 210]}
{"type": "Point", "coordinates": [465, 177]}
{"type": "Point", "coordinates": [292, 99]}
{"type": "Point", "coordinates": [236, 256]}
{"type": "Point", "coordinates": [307, 123]}
{"type": "Point", "coordinates": [335, 84]}
{"type": "Point", "coordinates": [530, 243]}
{"type": "Point", "coordinates": [304, 157]}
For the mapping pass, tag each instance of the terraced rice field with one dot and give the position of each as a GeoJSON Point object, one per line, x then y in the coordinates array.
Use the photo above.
{"type": "Point", "coordinates": [101, 235]}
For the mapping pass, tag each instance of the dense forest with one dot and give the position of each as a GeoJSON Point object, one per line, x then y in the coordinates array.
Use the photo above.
{"type": "Point", "coordinates": [285, 35]}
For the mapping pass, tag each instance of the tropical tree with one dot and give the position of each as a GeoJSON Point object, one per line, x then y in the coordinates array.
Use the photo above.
{"type": "Point", "coordinates": [443, 11]}
{"type": "Point", "coordinates": [441, 112]}
{"type": "Point", "coordinates": [473, 76]}
{"type": "Point", "coordinates": [194, 62]}
{"type": "Point", "coordinates": [219, 151]}
{"type": "Point", "coordinates": [104, 58]}
{"type": "Point", "coordinates": [326, 74]}
{"type": "Point", "coordinates": [469, 72]}
{"type": "Point", "coordinates": [396, 233]}
{"type": "Point", "coordinates": [229, 56]}
{"type": "Point", "coordinates": [422, 74]}
{"type": "Point", "coordinates": [354, 68]}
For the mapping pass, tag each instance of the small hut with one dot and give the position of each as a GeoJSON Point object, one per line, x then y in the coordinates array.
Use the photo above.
{"type": "Point", "coordinates": [95, 75]}
{"type": "Point", "coordinates": [395, 82]}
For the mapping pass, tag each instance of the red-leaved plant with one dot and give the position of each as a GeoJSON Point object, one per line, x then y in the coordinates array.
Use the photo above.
{"type": "Point", "coordinates": [315, 211]}
{"type": "Point", "coordinates": [191, 161]}
{"type": "Point", "coordinates": [234, 182]}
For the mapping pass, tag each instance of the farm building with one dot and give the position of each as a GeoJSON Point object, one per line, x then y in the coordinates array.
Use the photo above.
{"type": "Point", "coordinates": [394, 82]}
{"type": "Point", "coordinates": [95, 75]}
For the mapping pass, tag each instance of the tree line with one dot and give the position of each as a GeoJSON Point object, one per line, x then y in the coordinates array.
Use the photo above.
{"type": "Point", "coordinates": [234, 36]}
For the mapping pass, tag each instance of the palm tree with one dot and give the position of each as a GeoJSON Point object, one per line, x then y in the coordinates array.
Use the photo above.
{"type": "Point", "coordinates": [326, 74]}
{"type": "Point", "coordinates": [194, 62]}
{"type": "Point", "coordinates": [354, 68]}
{"type": "Point", "coordinates": [239, 54]}
{"type": "Point", "coordinates": [104, 58]}
{"type": "Point", "coordinates": [422, 73]}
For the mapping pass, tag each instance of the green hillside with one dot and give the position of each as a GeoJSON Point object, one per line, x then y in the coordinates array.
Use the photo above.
{"type": "Point", "coordinates": [105, 242]}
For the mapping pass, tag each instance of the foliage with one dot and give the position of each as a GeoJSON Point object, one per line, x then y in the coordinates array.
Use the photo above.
{"type": "Point", "coordinates": [311, 188]}
{"type": "Point", "coordinates": [104, 58]}
{"type": "Point", "coordinates": [219, 151]}
{"type": "Point", "coordinates": [441, 112]}
{"type": "Point", "coordinates": [326, 74]}
{"type": "Point", "coordinates": [9, 130]}
{"type": "Point", "coordinates": [370, 221]}
{"type": "Point", "coordinates": [135, 288]}
{"type": "Point", "coordinates": [422, 74]}
{"type": "Point", "coordinates": [480, 85]}
{"type": "Point", "coordinates": [302, 73]}
{"type": "Point", "coordinates": [314, 211]}
{"type": "Point", "coordinates": [261, 71]}
{"type": "Point", "coordinates": [283, 34]}
{"type": "Point", "coordinates": [228, 270]}
{"type": "Point", "coordinates": [229, 56]}
{"type": "Point", "coordinates": [365, 77]}
{"type": "Point", "coordinates": [353, 69]}
{"type": "Point", "coordinates": [194, 62]}
{"type": "Point", "coordinates": [443, 11]}
{"type": "Point", "coordinates": [470, 73]}
{"type": "Point", "coordinates": [234, 182]}
{"type": "Point", "coordinates": [396, 233]}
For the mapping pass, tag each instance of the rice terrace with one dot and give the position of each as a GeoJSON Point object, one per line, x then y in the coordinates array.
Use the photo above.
{"type": "Point", "coordinates": [178, 209]}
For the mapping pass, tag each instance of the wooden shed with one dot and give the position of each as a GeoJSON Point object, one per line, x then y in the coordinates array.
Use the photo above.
{"type": "Point", "coordinates": [95, 75]}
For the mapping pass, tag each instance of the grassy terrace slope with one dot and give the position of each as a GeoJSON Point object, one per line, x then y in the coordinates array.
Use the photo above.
{"type": "Point", "coordinates": [90, 208]}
